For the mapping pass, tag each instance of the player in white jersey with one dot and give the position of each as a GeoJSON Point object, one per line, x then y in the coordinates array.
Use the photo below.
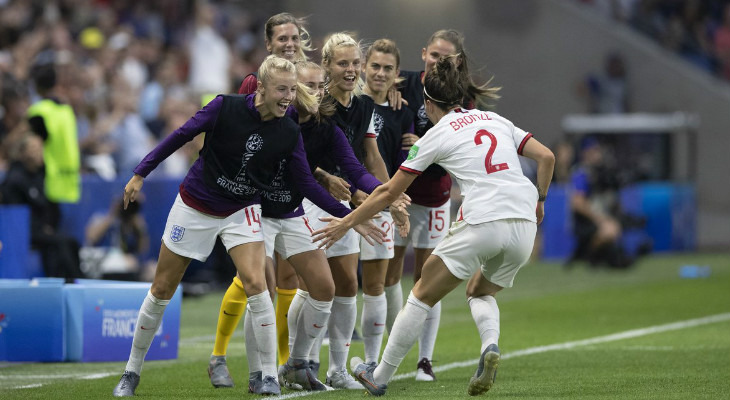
{"type": "Point", "coordinates": [494, 231]}
{"type": "Point", "coordinates": [430, 211]}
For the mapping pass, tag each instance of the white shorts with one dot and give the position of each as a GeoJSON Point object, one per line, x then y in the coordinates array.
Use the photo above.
{"type": "Point", "coordinates": [288, 236]}
{"type": "Point", "coordinates": [349, 244]}
{"type": "Point", "coordinates": [429, 226]}
{"type": "Point", "coordinates": [500, 248]}
{"type": "Point", "coordinates": [379, 251]}
{"type": "Point", "coordinates": [190, 233]}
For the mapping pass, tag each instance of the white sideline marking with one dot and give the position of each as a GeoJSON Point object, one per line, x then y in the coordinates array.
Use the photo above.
{"type": "Point", "coordinates": [566, 346]}
{"type": "Point", "coordinates": [690, 323]}
{"type": "Point", "coordinates": [587, 342]}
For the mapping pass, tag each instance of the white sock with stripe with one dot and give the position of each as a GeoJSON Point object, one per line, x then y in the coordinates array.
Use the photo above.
{"type": "Point", "coordinates": [372, 323]}
{"type": "Point", "coordinates": [341, 324]}
{"type": "Point", "coordinates": [406, 329]}
{"type": "Point", "coordinates": [148, 320]}
{"type": "Point", "coordinates": [294, 309]}
{"type": "Point", "coordinates": [485, 312]}
{"type": "Point", "coordinates": [311, 323]}
{"type": "Point", "coordinates": [261, 311]}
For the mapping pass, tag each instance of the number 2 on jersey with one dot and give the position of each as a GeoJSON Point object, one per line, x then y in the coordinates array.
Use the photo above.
{"type": "Point", "coordinates": [492, 146]}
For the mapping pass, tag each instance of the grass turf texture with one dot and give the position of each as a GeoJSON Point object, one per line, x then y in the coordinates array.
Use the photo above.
{"type": "Point", "coordinates": [548, 305]}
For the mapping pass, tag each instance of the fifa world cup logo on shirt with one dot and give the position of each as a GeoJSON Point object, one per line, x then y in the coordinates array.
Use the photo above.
{"type": "Point", "coordinates": [422, 117]}
{"type": "Point", "coordinates": [378, 121]}
{"type": "Point", "coordinates": [254, 143]}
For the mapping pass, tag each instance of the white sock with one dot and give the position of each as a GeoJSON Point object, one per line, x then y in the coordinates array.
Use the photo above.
{"type": "Point", "coordinates": [485, 312]}
{"type": "Point", "coordinates": [317, 346]}
{"type": "Point", "coordinates": [148, 320]}
{"type": "Point", "coordinates": [372, 324]}
{"type": "Point", "coordinates": [293, 314]}
{"type": "Point", "coordinates": [252, 353]}
{"type": "Point", "coordinates": [430, 329]}
{"type": "Point", "coordinates": [311, 323]}
{"type": "Point", "coordinates": [406, 329]}
{"type": "Point", "coordinates": [394, 297]}
{"type": "Point", "coordinates": [341, 324]}
{"type": "Point", "coordinates": [264, 328]}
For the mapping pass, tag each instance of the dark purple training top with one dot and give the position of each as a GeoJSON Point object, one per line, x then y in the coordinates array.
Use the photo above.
{"type": "Point", "coordinates": [195, 192]}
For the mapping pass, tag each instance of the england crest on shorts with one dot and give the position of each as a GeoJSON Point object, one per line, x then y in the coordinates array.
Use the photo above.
{"type": "Point", "coordinates": [177, 232]}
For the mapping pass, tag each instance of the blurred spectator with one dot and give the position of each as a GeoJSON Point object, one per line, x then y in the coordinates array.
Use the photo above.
{"type": "Point", "coordinates": [176, 109]}
{"type": "Point", "coordinates": [24, 184]}
{"type": "Point", "coordinates": [608, 92]}
{"type": "Point", "coordinates": [564, 158]}
{"type": "Point", "coordinates": [121, 243]}
{"type": "Point", "coordinates": [722, 43]}
{"type": "Point", "coordinates": [122, 131]}
{"type": "Point", "coordinates": [13, 124]}
{"type": "Point", "coordinates": [210, 54]}
{"type": "Point", "coordinates": [55, 123]}
{"type": "Point", "coordinates": [598, 221]}
{"type": "Point", "coordinates": [687, 34]}
{"type": "Point", "coordinates": [166, 78]}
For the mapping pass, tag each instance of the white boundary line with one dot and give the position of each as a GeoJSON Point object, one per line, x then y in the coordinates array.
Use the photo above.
{"type": "Point", "coordinates": [634, 333]}
{"type": "Point", "coordinates": [630, 334]}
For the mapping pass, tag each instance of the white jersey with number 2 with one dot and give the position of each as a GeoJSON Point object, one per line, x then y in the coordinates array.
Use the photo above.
{"type": "Point", "coordinates": [480, 149]}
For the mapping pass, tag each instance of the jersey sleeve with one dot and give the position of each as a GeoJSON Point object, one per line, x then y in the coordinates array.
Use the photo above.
{"type": "Point", "coordinates": [345, 159]}
{"type": "Point", "coordinates": [308, 186]}
{"type": "Point", "coordinates": [520, 138]}
{"type": "Point", "coordinates": [424, 152]}
{"type": "Point", "coordinates": [371, 133]}
{"type": "Point", "coordinates": [202, 121]}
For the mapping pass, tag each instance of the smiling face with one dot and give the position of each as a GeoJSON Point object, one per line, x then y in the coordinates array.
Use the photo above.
{"type": "Point", "coordinates": [284, 41]}
{"type": "Point", "coordinates": [344, 68]}
{"type": "Point", "coordinates": [312, 78]}
{"type": "Point", "coordinates": [275, 96]}
{"type": "Point", "coordinates": [380, 71]}
{"type": "Point", "coordinates": [439, 47]}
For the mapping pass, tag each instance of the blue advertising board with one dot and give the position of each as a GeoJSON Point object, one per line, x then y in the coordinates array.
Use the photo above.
{"type": "Point", "coordinates": [32, 318]}
{"type": "Point", "coordinates": [92, 320]}
{"type": "Point", "coordinates": [102, 317]}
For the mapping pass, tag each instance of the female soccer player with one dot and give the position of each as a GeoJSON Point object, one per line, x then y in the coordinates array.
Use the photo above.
{"type": "Point", "coordinates": [430, 211]}
{"type": "Point", "coordinates": [382, 62]}
{"type": "Point", "coordinates": [286, 228]}
{"type": "Point", "coordinates": [286, 37]}
{"type": "Point", "coordinates": [341, 60]}
{"type": "Point", "coordinates": [248, 145]}
{"type": "Point", "coordinates": [495, 229]}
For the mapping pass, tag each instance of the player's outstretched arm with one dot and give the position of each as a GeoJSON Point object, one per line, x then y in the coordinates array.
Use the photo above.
{"type": "Point", "coordinates": [382, 196]}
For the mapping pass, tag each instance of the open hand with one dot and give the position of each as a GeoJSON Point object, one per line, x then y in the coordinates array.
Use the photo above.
{"type": "Point", "coordinates": [407, 140]}
{"type": "Point", "coordinates": [336, 186]}
{"type": "Point", "coordinates": [370, 232]}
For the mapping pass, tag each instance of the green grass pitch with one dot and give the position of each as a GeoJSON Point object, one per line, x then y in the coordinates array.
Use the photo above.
{"type": "Point", "coordinates": [579, 333]}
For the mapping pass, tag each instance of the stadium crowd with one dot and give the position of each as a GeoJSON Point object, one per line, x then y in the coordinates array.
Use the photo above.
{"type": "Point", "coordinates": [697, 30]}
{"type": "Point", "coordinates": [133, 71]}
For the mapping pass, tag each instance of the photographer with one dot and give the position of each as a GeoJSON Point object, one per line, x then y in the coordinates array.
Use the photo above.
{"type": "Point", "coordinates": [125, 240]}
{"type": "Point", "coordinates": [597, 220]}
